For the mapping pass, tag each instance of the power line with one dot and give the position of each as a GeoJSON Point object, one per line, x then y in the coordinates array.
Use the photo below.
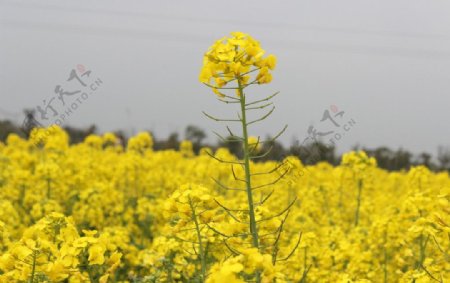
{"type": "Point", "coordinates": [146, 34]}
{"type": "Point", "coordinates": [271, 25]}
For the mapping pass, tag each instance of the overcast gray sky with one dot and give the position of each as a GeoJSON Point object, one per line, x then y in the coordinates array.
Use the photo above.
{"type": "Point", "coordinates": [386, 64]}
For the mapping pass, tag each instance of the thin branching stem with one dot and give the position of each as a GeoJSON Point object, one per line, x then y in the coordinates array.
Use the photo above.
{"type": "Point", "coordinates": [224, 161]}
{"type": "Point", "coordinates": [280, 213]}
{"type": "Point", "coordinates": [234, 175]}
{"type": "Point", "coordinates": [225, 187]}
{"type": "Point", "coordinates": [229, 139]}
{"type": "Point", "coordinates": [263, 117]}
{"type": "Point", "coordinates": [231, 133]}
{"type": "Point", "coordinates": [270, 171]}
{"type": "Point", "coordinates": [268, 151]}
{"type": "Point", "coordinates": [275, 244]}
{"type": "Point", "coordinates": [277, 135]}
{"type": "Point", "coordinates": [273, 182]}
{"type": "Point", "coordinates": [262, 100]}
{"type": "Point", "coordinates": [263, 200]}
{"type": "Point", "coordinates": [227, 101]}
{"type": "Point", "coordinates": [233, 251]}
{"type": "Point", "coordinates": [229, 209]}
{"type": "Point", "coordinates": [429, 274]}
{"type": "Point", "coordinates": [219, 119]}
{"type": "Point", "coordinates": [216, 87]}
{"type": "Point", "coordinates": [294, 249]}
{"type": "Point", "coordinates": [200, 242]}
{"type": "Point", "coordinates": [259, 107]}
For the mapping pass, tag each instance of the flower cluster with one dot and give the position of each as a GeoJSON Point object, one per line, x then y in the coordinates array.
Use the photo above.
{"type": "Point", "coordinates": [52, 251]}
{"type": "Point", "coordinates": [99, 212]}
{"type": "Point", "coordinates": [234, 59]}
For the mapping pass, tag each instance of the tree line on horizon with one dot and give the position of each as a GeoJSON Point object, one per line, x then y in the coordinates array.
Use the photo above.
{"type": "Point", "coordinates": [309, 154]}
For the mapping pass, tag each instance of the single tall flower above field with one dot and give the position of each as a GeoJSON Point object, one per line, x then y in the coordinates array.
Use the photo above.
{"type": "Point", "coordinates": [235, 63]}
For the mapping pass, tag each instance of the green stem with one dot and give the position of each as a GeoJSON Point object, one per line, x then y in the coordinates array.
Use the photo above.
{"type": "Point", "coordinates": [422, 245]}
{"type": "Point", "coordinates": [360, 185]}
{"type": "Point", "coordinates": [170, 269]}
{"type": "Point", "coordinates": [33, 271]}
{"type": "Point", "coordinates": [421, 252]}
{"type": "Point", "coordinates": [91, 278]}
{"type": "Point", "coordinates": [251, 209]}
{"type": "Point", "coordinates": [200, 243]}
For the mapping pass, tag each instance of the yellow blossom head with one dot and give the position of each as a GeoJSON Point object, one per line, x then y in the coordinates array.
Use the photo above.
{"type": "Point", "coordinates": [235, 59]}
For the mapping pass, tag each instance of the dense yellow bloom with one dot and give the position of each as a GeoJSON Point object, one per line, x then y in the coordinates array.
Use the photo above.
{"type": "Point", "coordinates": [140, 143]}
{"type": "Point", "coordinates": [186, 148]}
{"type": "Point", "coordinates": [96, 254]}
{"type": "Point", "coordinates": [235, 59]}
{"type": "Point", "coordinates": [97, 210]}
{"type": "Point", "coordinates": [226, 272]}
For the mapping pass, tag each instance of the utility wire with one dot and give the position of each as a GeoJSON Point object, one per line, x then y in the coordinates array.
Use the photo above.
{"type": "Point", "coordinates": [147, 34]}
{"type": "Point", "coordinates": [271, 25]}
